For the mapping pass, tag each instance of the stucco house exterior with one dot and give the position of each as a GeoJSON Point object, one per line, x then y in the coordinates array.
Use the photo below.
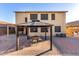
{"type": "Point", "coordinates": [7, 28]}
{"type": "Point", "coordinates": [57, 18]}
{"type": "Point", "coordinates": [72, 29]}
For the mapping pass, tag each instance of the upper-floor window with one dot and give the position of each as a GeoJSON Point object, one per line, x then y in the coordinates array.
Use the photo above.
{"type": "Point", "coordinates": [25, 19]}
{"type": "Point", "coordinates": [44, 29]}
{"type": "Point", "coordinates": [33, 16]}
{"type": "Point", "coordinates": [33, 29]}
{"type": "Point", "coordinates": [44, 16]}
{"type": "Point", "coordinates": [52, 16]}
{"type": "Point", "coordinates": [57, 28]}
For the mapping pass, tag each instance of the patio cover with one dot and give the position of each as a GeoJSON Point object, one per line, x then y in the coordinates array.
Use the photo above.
{"type": "Point", "coordinates": [35, 23]}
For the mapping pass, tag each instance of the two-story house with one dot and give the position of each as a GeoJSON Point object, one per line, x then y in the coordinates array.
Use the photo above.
{"type": "Point", "coordinates": [57, 18]}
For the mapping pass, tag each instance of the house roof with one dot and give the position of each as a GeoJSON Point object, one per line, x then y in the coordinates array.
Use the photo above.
{"type": "Point", "coordinates": [39, 11]}
{"type": "Point", "coordinates": [74, 23]}
{"type": "Point", "coordinates": [6, 23]}
{"type": "Point", "coordinates": [3, 22]}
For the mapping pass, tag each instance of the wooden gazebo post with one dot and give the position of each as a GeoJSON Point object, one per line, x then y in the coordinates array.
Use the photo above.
{"type": "Point", "coordinates": [45, 35]}
{"type": "Point", "coordinates": [50, 37]}
{"type": "Point", "coordinates": [17, 39]}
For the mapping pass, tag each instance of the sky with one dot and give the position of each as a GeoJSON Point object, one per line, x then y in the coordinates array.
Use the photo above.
{"type": "Point", "coordinates": [7, 10]}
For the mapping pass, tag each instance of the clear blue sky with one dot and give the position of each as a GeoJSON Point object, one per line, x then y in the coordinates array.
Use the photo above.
{"type": "Point", "coordinates": [7, 10]}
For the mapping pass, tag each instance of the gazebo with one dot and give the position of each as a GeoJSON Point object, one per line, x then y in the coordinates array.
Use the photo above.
{"type": "Point", "coordinates": [33, 23]}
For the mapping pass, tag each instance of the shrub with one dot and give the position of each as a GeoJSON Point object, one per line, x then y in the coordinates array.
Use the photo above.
{"type": "Point", "coordinates": [57, 35]}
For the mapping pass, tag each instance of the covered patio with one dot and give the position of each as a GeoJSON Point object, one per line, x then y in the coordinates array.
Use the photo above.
{"type": "Point", "coordinates": [33, 23]}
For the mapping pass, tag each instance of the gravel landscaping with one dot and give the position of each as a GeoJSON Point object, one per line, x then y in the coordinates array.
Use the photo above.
{"type": "Point", "coordinates": [67, 46]}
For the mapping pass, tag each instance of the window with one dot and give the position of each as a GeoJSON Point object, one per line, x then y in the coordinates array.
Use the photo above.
{"type": "Point", "coordinates": [33, 16]}
{"type": "Point", "coordinates": [44, 29]}
{"type": "Point", "coordinates": [11, 28]}
{"type": "Point", "coordinates": [44, 16]}
{"type": "Point", "coordinates": [33, 29]}
{"type": "Point", "coordinates": [26, 19]}
{"type": "Point", "coordinates": [57, 28]}
{"type": "Point", "coordinates": [53, 16]}
{"type": "Point", "coordinates": [21, 29]}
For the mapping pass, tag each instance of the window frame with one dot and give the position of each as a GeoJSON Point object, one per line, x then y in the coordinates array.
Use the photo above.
{"type": "Point", "coordinates": [58, 29]}
{"type": "Point", "coordinates": [25, 19]}
{"type": "Point", "coordinates": [52, 16]}
{"type": "Point", "coordinates": [44, 29]}
{"type": "Point", "coordinates": [44, 15]}
{"type": "Point", "coordinates": [32, 29]}
{"type": "Point", "coordinates": [32, 16]}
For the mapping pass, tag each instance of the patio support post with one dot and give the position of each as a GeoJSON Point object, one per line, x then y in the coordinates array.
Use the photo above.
{"type": "Point", "coordinates": [17, 39]}
{"type": "Point", "coordinates": [45, 35]}
{"type": "Point", "coordinates": [27, 32]}
{"type": "Point", "coordinates": [50, 37]}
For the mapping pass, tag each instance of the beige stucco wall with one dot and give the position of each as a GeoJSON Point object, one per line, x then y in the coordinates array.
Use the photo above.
{"type": "Point", "coordinates": [60, 19]}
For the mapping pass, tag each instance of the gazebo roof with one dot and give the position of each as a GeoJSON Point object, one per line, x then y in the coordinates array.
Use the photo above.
{"type": "Point", "coordinates": [35, 23]}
